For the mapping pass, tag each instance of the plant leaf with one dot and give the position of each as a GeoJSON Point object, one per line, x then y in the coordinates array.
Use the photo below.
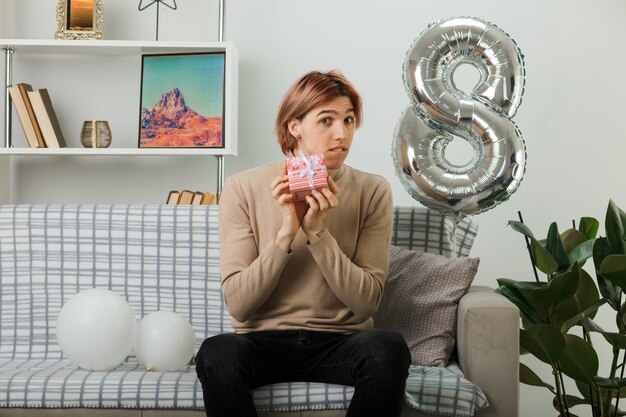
{"type": "Point", "coordinates": [620, 318]}
{"type": "Point", "coordinates": [579, 360]}
{"type": "Point", "coordinates": [585, 297]}
{"type": "Point", "coordinates": [607, 387]}
{"type": "Point", "coordinates": [572, 238]}
{"type": "Point", "coordinates": [528, 377]}
{"type": "Point", "coordinates": [610, 384]}
{"type": "Point", "coordinates": [615, 339]}
{"type": "Point", "coordinates": [582, 252]}
{"type": "Point", "coordinates": [527, 286]}
{"type": "Point", "coordinates": [559, 289]}
{"type": "Point", "coordinates": [589, 226]}
{"type": "Point", "coordinates": [543, 259]}
{"type": "Point", "coordinates": [585, 390]}
{"type": "Point", "coordinates": [521, 228]}
{"type": "Point", "coordinates": [591, 326]}
{"type": "Point", "coordinates": [571, 402]}
{"type": "Point", "coordinates": [614, 228]}
{"type": "Point", "coordinates": [509, 289]}
{"type": "Point", "coordinates": [622, 217]}
{"type": "Point", "coordinates": [544, 341]}
{"type": "Point", "coordinates": [609, 290]}
{"type": "Point", "coordinates": [555, 247]}
{"type": "Point", "coordinates": [590, 311]}
{"type": "Point", "coordinates": [613, 268]}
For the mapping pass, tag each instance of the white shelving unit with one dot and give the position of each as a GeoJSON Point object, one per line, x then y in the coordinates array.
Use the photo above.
{"type": "Point", "coordinates": [14, 49]}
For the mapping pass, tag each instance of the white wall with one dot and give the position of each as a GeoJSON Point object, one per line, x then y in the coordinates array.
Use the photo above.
{"type": "Point", "coordinates": [570, 115]}
{"type": "Point", "coordinates": [7, 10]}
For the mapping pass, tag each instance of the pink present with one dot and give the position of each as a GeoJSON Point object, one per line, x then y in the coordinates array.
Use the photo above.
{"type": "Point", "coordinates": [306, 174]}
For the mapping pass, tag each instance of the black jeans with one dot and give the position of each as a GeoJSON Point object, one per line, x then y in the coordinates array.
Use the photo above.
{"type": "Point", "coordinates": [375, 362]}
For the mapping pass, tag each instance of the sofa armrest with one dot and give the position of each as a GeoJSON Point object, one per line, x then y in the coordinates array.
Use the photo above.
{"type": "Point", "coordinates": [488, 348]}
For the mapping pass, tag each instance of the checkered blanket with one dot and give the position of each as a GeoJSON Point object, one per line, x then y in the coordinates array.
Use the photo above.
{"type": "Point", "coordinates": [160, 258]}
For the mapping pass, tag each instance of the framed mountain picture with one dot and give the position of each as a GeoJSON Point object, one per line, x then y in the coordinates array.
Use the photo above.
{"type": "Point", "coordinates": [182, 101]}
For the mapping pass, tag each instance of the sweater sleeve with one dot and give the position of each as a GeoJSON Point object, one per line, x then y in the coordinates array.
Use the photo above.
{"type": "Point", "coordinates": [359, 282]}
{"type": "Point", "coordinates": [249, 273]}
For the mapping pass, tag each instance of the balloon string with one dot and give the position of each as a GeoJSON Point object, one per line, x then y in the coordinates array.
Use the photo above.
{"type": "Point", "coordinates": [455, 244]}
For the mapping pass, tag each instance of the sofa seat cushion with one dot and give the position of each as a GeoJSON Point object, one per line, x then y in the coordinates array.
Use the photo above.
{"type": "Point", "coordinates": [59, 383]}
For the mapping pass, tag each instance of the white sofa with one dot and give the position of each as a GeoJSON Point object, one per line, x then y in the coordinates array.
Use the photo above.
{"type": "Point", "coordinates": [161, 257]}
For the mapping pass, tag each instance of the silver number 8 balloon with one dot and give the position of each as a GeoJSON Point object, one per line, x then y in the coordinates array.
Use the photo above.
{"type": "Point", "coordinates": [440, 111]}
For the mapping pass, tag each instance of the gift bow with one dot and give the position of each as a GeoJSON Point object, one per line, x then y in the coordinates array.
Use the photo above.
{"type": "Point", "coordinates": [312, 164]}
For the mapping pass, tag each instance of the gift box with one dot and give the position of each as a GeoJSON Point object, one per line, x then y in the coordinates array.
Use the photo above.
{"type": "Point", "coordinates": [306, 173]}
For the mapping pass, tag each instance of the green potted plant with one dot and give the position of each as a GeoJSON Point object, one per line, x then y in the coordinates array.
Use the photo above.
{"type": "Point", "coordinates": [557, 312]}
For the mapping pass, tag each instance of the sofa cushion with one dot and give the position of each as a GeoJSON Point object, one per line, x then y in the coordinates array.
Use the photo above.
{"type": "Point", "coordinates": [429, 231]}
{"type": "Point", "coordinates": [59, 383]}
{"type": "Point", "coordinates": [420, 301]}
{"type": "Point", "coordinates": [462, 402]}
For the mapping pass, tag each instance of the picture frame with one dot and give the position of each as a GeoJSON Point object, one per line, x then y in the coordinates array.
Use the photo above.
{"type": "Point", "coordinates": [182, 100]}
{"type": "Point", "coordinates": [79, 19]}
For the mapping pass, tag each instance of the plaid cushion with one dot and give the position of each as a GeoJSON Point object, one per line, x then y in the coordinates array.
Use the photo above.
{"type": "Point", "coordinates": [59, 383]}
{"type": "Point", "coordinates": [157, 257]}
{"type": "Point", "coordinates": [442, 391]}
{"type": "Point", "coordinates": [429, 231]}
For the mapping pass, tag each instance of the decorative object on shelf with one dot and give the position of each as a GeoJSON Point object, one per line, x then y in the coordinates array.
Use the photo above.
{"type": "Point", "coordinates": [79, 19]}
{"type": "Point", "coordinates": [95, 134]}
{"type": "Point", "coordinates": [149, 3]}
{"type": "Point", "coordinates": [182, 101]}
{"type": "Point", "coordinates": [440, 112]}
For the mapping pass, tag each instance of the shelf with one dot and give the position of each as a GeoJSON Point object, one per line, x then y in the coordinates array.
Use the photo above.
{"type": "Point", "coordinates": [95, 47]}
{"type": "Point", "coordinates": [129, 53]}
{"type": "Point", "coordinates": [136, 49]}
{"type": "Point", "coordinates": [113, 151]}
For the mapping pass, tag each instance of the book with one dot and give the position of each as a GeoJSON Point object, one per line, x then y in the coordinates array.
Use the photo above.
{"type": "Point", "coordinates": [47, 119]}
{"type": "Point", "coordinates": [22, 109]}
{"type": "Point", "coordinates": [197, 198]}
{"type": "Point", "coordinates": [207, 198]}
{"type": "Point", "coordinates": [24, 89]}
{"type": "Point", "coordinates": [186, 197]}
{"type": "Point", "coordinates": [172, 197]}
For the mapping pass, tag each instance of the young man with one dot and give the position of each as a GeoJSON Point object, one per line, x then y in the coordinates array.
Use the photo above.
{"type": "Point", "coordinates": [302, 279]}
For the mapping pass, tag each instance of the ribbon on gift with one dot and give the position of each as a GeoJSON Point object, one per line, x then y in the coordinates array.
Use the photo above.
{"type": "Point", "coordinates": [312, 165]}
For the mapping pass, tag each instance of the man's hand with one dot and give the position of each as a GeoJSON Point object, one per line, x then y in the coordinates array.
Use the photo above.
{"type": "Point", "coordinates": [319, 204]}
{"type": "Point", "coordinates": [293, 211]}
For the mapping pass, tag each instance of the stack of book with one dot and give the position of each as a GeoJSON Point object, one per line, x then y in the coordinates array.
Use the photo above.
{"type": "Point", "coordinates": [36, 114]}
{"type": "Point", "coordinates": [192, 197]}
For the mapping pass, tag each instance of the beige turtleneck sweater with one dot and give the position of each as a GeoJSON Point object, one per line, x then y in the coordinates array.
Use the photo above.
{"type": "Point", "coordinates": [334, 284]}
